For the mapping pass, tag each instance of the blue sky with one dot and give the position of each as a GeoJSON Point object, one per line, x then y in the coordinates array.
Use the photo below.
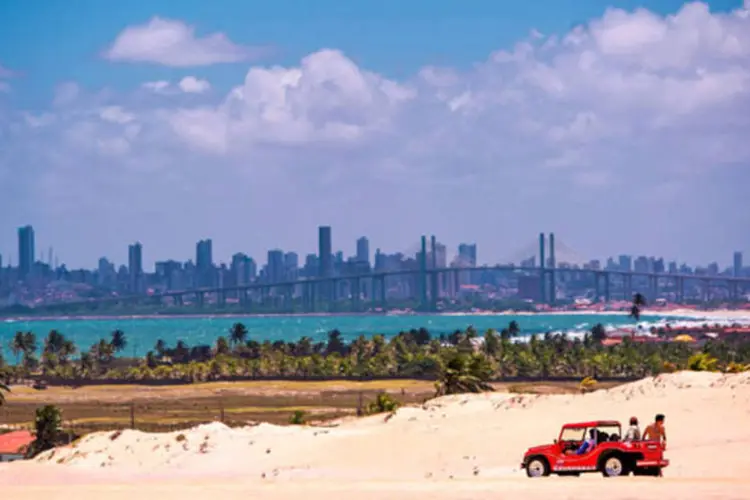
{"type": "Point", "coordinates": [388, 119]}
{"type": "Point", "coordinates": [58, 40]}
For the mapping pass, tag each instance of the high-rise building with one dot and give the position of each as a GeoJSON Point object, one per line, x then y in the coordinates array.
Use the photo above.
{"type": "Point", "coordinates": [363, 250]}
{"type": "Point", "coordinates": [291, 266]}
{"type": "Point", "coordinates": [737, 264]}
{"type": "Point", "coordinates": [626, 263]}
{"type": "Point", "coordinates": [275, 267]}
{"type": "Point", "coordinates": [204, 254]}
{"type": "Point", "coordinates": [204, 263]}
{"type": "Point", "coordinates": [25, 250]}
{"type": "Point", "coordinates": [325, 257]}
{"type": "Point", "coordinates": [135, 267]}
{"type": "Point", "coordinates": [467, 254]}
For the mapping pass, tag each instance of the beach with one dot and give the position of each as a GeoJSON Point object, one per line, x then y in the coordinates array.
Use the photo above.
{"type": "Point", "coordinates": [460, 446]}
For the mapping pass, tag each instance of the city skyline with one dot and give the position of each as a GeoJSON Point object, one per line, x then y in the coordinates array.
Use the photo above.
{"type": "Point", "coordinates": [204, 259]}
{"type": "Point", "coordinates": [620, 129]}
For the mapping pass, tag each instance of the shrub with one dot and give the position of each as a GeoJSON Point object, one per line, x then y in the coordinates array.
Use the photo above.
{"type": "Point", "coordinates": [669, 367]}
{"type": "Point", "coordinates": [47, 424]}
{"type": "Point", "coordinates": [702, 362]}
{"type": "Point", "coordinates": [297, 418]}
{"type": "Point", "coordinates": [588, 384]}
{"type": "Point", "coordinates": [733, 367]}
{"type": "Point", "coordinates": [383, 403]}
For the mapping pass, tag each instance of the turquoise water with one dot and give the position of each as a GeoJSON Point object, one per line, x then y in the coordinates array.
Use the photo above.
{"type": "Point", "coordinates": [142, 333]}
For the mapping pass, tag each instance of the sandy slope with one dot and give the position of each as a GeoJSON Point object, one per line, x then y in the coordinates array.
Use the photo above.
{"type": "Point", "coordinates": [454, 447]}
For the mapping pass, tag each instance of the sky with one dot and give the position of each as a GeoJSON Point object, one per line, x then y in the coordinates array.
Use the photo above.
{"type": "Point", "coordinates": [621, 126]}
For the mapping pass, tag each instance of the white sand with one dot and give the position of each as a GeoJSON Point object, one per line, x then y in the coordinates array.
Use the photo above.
{"type": "Point", "coordinates": [455, 447]}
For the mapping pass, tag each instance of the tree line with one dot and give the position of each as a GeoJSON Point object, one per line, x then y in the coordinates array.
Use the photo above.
{"type": "Point", "coordinates": [416, 353]}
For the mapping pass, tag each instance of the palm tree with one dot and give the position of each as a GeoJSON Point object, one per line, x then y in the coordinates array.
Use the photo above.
{"type": "Point", "coordinates": [54, 342]}
{"type": "Point", "coordinates": [638, 302]}
{"type": "Point", "coordinates": [3, 388]}
{"type": "Point", "coordinates": [238, 334]}
{"type": "Point", "coordinates": [463, 373]}
{"type": "Point", "coordinates": [18, 345]}
{"type": "Point", "coordinates": [514, 329]}
{"type": "Point", "coordinates": [118, 341]}
{"type": "Point", "coordinates": [160, 347]}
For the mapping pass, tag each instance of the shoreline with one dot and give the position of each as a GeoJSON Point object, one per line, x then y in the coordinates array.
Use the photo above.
{"type": "Point", "coordinates": [677, 313]}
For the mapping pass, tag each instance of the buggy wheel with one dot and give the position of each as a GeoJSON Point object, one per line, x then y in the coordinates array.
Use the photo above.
{"type": "Point", "coordinates": [537, 467]}
{"type": "Point", "coordinates": [614, 466]}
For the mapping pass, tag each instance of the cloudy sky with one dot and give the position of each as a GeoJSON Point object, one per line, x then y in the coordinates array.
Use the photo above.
{"type": "Point", "coordinates": [623, 130]}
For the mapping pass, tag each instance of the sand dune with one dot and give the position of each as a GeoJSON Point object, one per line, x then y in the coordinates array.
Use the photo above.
{"type": "Point", "coordinates": [465, 446]}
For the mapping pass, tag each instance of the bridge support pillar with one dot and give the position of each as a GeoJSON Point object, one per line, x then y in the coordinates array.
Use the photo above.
{"type": "Point", "coordinates": [434, 276]}
{"type": "Point", "coordinates": [553, 267]}
{"type": "Point", "coordinates": [597, 287]}
{"type": "Point", "coordinates": [542, 273]}
{"type": "Point", "coordinates": [607, 280]}
{"type": "Point", "coordinates": [355, 292]}
{"type": "Point", "coordinates": [627, 283]}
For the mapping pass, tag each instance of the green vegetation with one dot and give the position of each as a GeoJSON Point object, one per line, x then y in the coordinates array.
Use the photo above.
{"type": "Point", "coordinates": [459, 362]}
{"type": "Point", "coordinates": [3, 388]}
{"type": "Point", "coordinates": [298, 418]}
{"type": "Point", "coordinates": [47, 429]}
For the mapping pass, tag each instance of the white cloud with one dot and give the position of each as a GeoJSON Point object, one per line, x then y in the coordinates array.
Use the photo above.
{"type": "Point", "coordinates": [174, 43]}
{"type": "Point", "coordinates": [193, 85]}
{"type": "Point", "coordinates": [157, 86]}
{"type": "Point", "coordinates": [115, 114]}
{"type": "Point", "coordinates": [627, 134]}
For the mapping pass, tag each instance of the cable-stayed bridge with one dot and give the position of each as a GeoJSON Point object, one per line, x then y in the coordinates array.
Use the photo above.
{"type": "Point", "coordinates": [423, 276]}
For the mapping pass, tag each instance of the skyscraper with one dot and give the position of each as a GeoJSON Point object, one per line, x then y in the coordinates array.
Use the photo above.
{"type": "Point", "coordinates": [325, 257]}
{"type": "Point", "coordinates": [275, 267]}
{"type": "Point", "coordinates": [737, 264]}
{"type": "Point", "coordinates": [204, 263]}
{"type": "Point", "coordinates": [135, 267]}
{"type": "Point", "coordinates": [363, 250]}
{"type": "Point", "coordinates": [25, 250]}
{"type": "Point", "coordinates": [467, 254]}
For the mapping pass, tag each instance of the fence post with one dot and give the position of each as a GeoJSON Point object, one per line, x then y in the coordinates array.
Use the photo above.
{"type": "Point", "coordinates": [221, 409]}
{"type": "Point", "coordinates": [132, 414]}
{"type": "Point", "coordinates": [360, 405]}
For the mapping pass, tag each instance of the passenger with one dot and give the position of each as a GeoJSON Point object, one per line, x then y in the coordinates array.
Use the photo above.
{"type": "Point", "coordinates": [588, 444]}
{"type": "Point", "coordinates": [633, 433]}
{"type": "Point", "coordinates": [656, 431]}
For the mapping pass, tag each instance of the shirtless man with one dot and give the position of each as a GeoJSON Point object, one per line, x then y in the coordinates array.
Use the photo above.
{"type": "Point", "coordinates": [656, 431]}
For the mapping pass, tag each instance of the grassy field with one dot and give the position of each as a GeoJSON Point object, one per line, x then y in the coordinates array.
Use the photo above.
{"type": "Point", "coordinates": [163, 408]}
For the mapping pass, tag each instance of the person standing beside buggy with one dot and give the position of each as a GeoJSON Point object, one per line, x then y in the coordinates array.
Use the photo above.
{"type": "Point", "coordinates": [634, 432]}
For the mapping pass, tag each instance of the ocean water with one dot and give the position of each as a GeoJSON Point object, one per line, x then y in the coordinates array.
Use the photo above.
{"type": "Point", "coordinates": [142, 333]}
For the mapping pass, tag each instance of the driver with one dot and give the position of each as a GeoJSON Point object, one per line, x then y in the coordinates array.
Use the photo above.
{"type": "Point", "coordinates": [588, 444]}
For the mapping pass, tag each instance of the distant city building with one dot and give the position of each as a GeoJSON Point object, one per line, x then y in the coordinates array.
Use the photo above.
{"type": "Point", "coordinates": [135, 267]}
{"type": "Point", "coordinates": [25, 251]}
{"type": "Point", "coordinates": [275, 267]}
{"type": "Point", "coordinates": [204, 263]}
{"type": "Point", "coordinates": [467, 254]}
{"type": "Point", "coordinates": [737, 268]}
{"type": "Point", "coordinates": [363, 250]}
{"type": "Point", "coordinates": [626, 262]}
{"type": "Point", "coordinates": [325, 257]}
